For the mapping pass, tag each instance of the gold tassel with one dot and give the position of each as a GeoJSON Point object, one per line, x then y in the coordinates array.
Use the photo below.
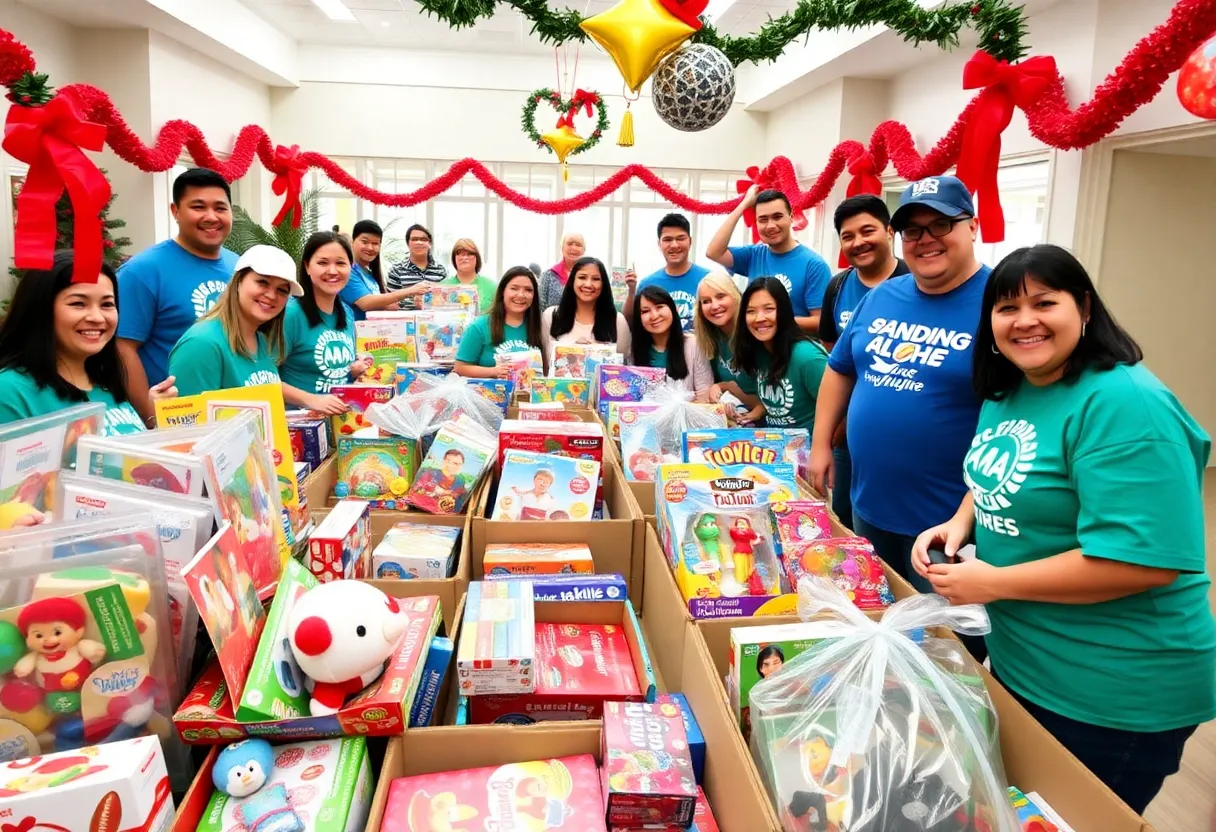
{"type": "Point", "coordinates": [625, 139]}
{"type": "Point", "coordinates": [565, 173]}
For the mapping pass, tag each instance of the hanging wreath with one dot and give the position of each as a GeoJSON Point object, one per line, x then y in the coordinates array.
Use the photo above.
{"type": "Point", "coordinates": [1001, 24]}
{"type": "Point", "coordinates": [565, 109]}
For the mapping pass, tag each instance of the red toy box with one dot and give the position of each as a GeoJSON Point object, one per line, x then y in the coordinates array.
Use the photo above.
{"type": "Point", "coordinates": [578, 667]}
{"type": "Point", "coordinates": [206, 717]}
{"type": "Point", "coordinates": [647, 771]}
{"type": "Point", "coordinates": [341, 546]}
{"type": "Point", "coordinates": [576, 440]}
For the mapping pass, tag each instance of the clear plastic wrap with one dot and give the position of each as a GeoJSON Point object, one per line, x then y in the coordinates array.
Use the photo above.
{"type": "Point", "coordinates": [435, 400]}
{"type": "Point", "coordinates": [657, 437]}
{"type": "Point", "coordinates": [868, 731]}
{"type": "Point", "coordinates": [115, 677]}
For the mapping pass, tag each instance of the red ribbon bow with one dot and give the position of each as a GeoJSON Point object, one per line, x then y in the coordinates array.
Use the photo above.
{"type": "Point", "coordinates": [582, 100]}
{"type": "Point", "coordinates": [52, 139]}
{"type": "Point", "coordinates": [865, 181]}
{"type": "Point", "coordinates": [763, 178]}
{"type": "Point", "coordinates": [1003, 86]}
{"type": "Point", "coordinates": [289, 180]}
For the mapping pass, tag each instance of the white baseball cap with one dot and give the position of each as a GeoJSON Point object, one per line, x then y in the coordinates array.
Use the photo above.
{"type": "Point", "coordinates": [270, 261]}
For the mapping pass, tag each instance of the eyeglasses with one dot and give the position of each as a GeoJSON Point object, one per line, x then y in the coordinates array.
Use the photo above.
{"type": "Point", "coordinates": [937, 229]}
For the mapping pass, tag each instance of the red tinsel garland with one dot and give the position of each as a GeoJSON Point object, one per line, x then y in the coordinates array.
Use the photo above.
{"type": "Point", "coordinates": [1135, 82]}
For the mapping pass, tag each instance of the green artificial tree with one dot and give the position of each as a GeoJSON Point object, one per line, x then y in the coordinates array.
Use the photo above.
{"type": "Point", "coordinates": [246, 233]}
{"type": "Point", "coordinates": [113, 248]}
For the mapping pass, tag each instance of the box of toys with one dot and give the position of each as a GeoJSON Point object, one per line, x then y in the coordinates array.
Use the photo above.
{"type": "Point", "coordinates": [340, 547]}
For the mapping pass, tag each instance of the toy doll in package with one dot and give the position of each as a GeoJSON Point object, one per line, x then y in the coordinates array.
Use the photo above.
{"type": "Point", "coordinates": [545, 487]}
{"type": "Point", "coordinates": [456, 461]}
{"type": "Point", "coordinates": [717, 531]}
{"type": "Point", "coordinates": [388, 342]}
{"type": "Point", "coordinates": [869, 734]}
{"type": "Point", "coordinates": [32, 452]}
{"type": "Point", "coordinates": [559, 795]}
{"type": "Point", "coordinates": [749, 446]}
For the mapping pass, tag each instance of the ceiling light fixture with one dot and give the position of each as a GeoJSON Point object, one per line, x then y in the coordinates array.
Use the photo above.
{"type": "Point", "coordinates": [335, 10]}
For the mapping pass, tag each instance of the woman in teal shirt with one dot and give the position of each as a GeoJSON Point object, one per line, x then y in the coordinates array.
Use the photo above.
{"type": "Point", "coordinates": [1086, 503]}
{"type": "Point", "coordinates": [57, 348]}
{"type": "Point", "coordinates": [239, 343]}
{"type": "Point", "coordinates": [771, 348]}
{"type": "Point", "coordinates": [713, 321]}
{"type": "Point", "coordinates": [319, 329]}
{"type": "Point", "coordinates": [513, 325]}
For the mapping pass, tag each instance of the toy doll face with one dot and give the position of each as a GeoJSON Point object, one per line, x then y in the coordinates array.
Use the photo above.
{"type": "Point", "coordinates": [742, 524]}
{"type": "Point", "coordinates": [245, 779]}
{"type": "Point", "coordinates": [51, 637]}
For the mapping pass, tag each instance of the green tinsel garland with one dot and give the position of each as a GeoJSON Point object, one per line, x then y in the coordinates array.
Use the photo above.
{"type": "Point", "coordinates": [1001, 26]}
{"type": "Point", "coordinates": [528, 119]}
{"type": "Point", "coordinates": [31, 90]}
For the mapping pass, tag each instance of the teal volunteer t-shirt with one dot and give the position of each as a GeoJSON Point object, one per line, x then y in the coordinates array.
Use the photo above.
{"type": "Point", "coordinates": [721, 366]}
{"type": "Point", "coordinates": [164, 290]}
{"type": "Point", "coordinates": [203, 360]}
{"type": "Point", "coordinates": [790, 401]}
{"type": "Point", "coordinates": [22, 398]}
{"type": "Point", "coordinates": [1112, 465]}
{"type": "Point", "coordinates": [477, 348]}
{"type": "Point", "coordinates": [318, 357]}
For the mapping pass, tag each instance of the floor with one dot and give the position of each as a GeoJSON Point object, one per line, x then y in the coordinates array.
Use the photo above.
{"type": "Point", "coordinates": [1187, 802]}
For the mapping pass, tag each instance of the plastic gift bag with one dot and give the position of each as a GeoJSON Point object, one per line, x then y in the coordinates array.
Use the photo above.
{"type": "Point", "coordinates": [436, 400]}
{"type": "Point", "coordinates": [867, 731]}
{"type": "Point", "coordinates": [657, 437]}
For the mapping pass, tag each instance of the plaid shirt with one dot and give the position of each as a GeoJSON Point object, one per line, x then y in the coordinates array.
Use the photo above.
{"type": "Point", "coordinates": [406, 274]}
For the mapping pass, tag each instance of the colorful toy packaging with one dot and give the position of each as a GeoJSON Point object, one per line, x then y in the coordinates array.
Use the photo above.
{"type": "Point", "coordinates": [328, 785]}
{"type": "Point", "coordinates": [389, 341]}
{"type": "Point", "coordinates": [220, 582]}
{"type": "Point", "coordinates": [457, 459]}
{"type": "Point", "coordinates": [801, 522]}
{"type": "Point", "coordinates": [124, 781]}
{"type": "Point", "coordinates": [570, 392]}
{"type": "Point", "coordinates": [521, 365]}
{"type": "Point", "coordinates": [309, 440]}
{"type": "Point", "coordinates": [438, 659]}
{"type": "Point", "coordinates": [629, 413]}
{"type": "Point", "coordinates": [546, 412]}
{"type": "Point", "coordinates": [178, 471]}
{"type": "Point", "coordinates": [497, 648]}
{"type": "Point", "coordinates": [1031, 815]}
{"type": "Point", "coordinates": [717, 531]}
{"type": "Point", "coordinates": [621, 383]}
{"type": "Point", "coordinates": [757, 653]}
{"type": "Point", "coordinates": [655, 435]}
{"type": "Point", "coordinates": [576, 440]}
{"type": "Point", "coordinates": [575, 587]}
{"type": "Point", "coordinates": [341, 546]}
{"type": "Point", "coordinates": [494, 390]}
{"type": "Point", "coordinates": [848, 562]}
{"type": "Point", "coordinates": [545, 487]}
{"type": "Point", "coordinates": [33, 451]}
{"type": "Point", "coordinates": [415, 550]}
{"type": "Point", "coordinates": [463, 298]}
{"type": "Point", "coordinates": [703, 818]}
{"type": "Point", "coordinates": [274, 687]}
{"type": "Point", "coordinates": [647, 773]}
{"type": "Point", "coordinates": [439, 335]}
{"type": "Point", "coordinates": [578, 668]}
{"type": "Point", "coordinates": [413, 378]}
{"type": "Point", "coordinates": [749, 446]}
{"type": "Point", "coordinates": [559, 795]}
{"type": "Point", "coordinates": [696, 740]}
{"type": "Point", "coordinates": [357, 397]}
{"type": "Point", "coordinates": [537, 559]}
{"type": "Point", "coordinates": [376, 469]}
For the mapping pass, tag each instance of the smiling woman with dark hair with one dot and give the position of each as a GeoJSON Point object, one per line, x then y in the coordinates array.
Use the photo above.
{"type": "Point", "coordinates": [585, 314]}
{"type": "Point", "coordinates": [1085, 479]}
{"type": "Point", "coordinates": [57, 348]}
{"type": "Point", "coordinates": [659, 340]}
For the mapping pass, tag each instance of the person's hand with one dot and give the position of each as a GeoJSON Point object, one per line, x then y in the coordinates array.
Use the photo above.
{"type": "Point", "coordinates": [631, 278]}
{"type": "Point", "coordinates": [502, 372]}
{"type": "Point", "coordinates": [329, 405]}
{"type": "Point", "coordinates": [715, 393]}
{"type": "Point", "coordinates": [749, 198]}
{"type": "Point", "coordinates": [167, 389]}
{"type": "Point", "coordinates": [971, 581]}
{"type": "Point", "coordinates": [822, 469]}
{"type": "Point", "coordinates": [361, 365]}
{"type": "Point", "coordinates": [949, 536]}
{"type": "Point", "coordinates": [417, 289]}
{"type": "Point", "coordinates": [753, 416]}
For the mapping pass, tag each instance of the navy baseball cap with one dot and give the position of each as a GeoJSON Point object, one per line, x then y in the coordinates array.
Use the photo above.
{"type": "Point", "coordinates": [945, 194]}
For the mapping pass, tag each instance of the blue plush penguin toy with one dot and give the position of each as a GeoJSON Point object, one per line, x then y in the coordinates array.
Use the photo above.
{"type": "Point", "coordinates": [243, 767]}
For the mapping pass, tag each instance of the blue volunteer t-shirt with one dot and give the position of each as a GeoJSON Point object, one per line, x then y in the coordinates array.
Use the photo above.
{"type": "Point", "coordinates": [852, 290]}
{"type": "Point", "coordinates": [913, 411]}
{"type": "Point", "coordinates": [360, 285]}
{"type": "Point", "coordinates": [682, 288]}
{"type": "Point", "coordinates": [163, 291]}
{"type": "Point", "coordinates": [802, 272]}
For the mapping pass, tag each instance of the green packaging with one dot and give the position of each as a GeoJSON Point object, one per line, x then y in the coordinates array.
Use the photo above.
{"type": "Point", "coordinates": [275, 687]}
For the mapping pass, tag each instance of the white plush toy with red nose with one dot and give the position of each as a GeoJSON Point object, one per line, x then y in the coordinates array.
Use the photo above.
{"type": "Point", "coordinates": [341, 633]}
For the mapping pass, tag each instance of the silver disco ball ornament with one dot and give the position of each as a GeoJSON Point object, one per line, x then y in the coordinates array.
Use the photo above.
{"type": "Point", "coordinates": [694, 88]}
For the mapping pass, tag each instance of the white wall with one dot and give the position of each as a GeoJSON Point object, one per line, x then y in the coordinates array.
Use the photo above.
{"type": "Point", "coordinates": [1166, 309]}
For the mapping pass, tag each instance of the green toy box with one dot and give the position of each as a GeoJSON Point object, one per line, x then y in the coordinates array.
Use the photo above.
{"type": "Point", "coordinates": [275, 686]}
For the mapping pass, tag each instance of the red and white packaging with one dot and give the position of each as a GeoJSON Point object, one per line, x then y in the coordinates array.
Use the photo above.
{"type": "Point", "coordinates": [576, 440]}
{"type": "Point", "coordinates": [340, 548]}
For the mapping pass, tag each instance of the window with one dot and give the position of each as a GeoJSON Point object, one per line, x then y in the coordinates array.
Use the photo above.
{"type": "Point", "coordinates": [1023, 187]}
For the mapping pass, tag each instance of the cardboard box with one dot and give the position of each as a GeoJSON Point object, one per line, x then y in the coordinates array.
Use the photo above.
{"type": "Point", "coordinates": [206, 716]}
{"type": "Point", "coordinates": [615, 542]}
{"type": "Point", "coordinates": [339, 547]}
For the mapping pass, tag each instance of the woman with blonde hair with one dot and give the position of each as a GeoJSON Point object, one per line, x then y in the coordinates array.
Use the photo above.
{"type": "Point", "coordinates": [553, 281]}
{"type": "Point", "coordinates": [466, 260]}
{"type": "Point", "coordinates": [713, 321]}
{"type": "Point", "coordinates": [240, 343]}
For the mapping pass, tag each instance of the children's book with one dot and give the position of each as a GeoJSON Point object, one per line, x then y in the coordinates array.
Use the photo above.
{"type": "Point", "coordinates": [389, 341]}
{"type": "Point", "coordinates": [458, 457]}
{"type": "Point", "coordinates": [33, 451]}
{"type": "Point", "coordinates": [439, 336]}
{"type": "Point", "coordinates": [546, 487]}
{"type": "Point", "coordinates": [227, 599]}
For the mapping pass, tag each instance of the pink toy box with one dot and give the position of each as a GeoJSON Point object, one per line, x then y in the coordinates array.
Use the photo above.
{"type": "Point", "coordinates": [648, 777]}
{"type": "Point", "coordinates": [341, 546]}
{"type": "Point", "coordinates": [118, 785]}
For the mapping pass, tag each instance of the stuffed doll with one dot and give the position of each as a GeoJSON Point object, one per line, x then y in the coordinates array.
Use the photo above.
{"type": "Point", "coordinates": [243, 767]}
{"type": "Point", "coordinates": [59, 657]}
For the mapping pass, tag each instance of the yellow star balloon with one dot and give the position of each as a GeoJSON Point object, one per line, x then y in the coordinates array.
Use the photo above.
{"type": "Point", "coordinates": [637, 35]}
{"type": "Point", "coordinates": [563, 140]}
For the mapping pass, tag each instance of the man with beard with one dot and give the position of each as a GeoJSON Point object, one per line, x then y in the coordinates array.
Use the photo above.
{"type": "Point", "coordinates": [166, 288]}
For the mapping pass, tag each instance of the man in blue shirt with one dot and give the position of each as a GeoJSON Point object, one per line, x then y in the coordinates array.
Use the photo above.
{"type": "Point", "coordinates": [863, 224]}
{"type": "Point", "coordinates": [679, 278]}
{"type": "Point", "coordinates": [902, 369]}
{"type": "Point", "coordinates": [169, 286]}
{"type": "Point", "coordinates": [803, 272]}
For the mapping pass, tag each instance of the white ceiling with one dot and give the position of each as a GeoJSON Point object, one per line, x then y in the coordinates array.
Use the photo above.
{"type": "Point", "coordinates": [402, 24]}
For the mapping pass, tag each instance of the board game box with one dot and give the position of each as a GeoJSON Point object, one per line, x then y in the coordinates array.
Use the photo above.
{"type": "Point", "coordinates": [647, 773]}
{"type": "Point", "coordinates": [496, 652]}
